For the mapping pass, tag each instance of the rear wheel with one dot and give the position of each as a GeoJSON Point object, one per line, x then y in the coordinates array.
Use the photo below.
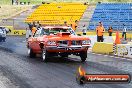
{"type": "Point", "coordinates": [45, 55]}
{"type": "Point", "coordinates": [83, 56]}
{"type": "Point", "coordinates": [30, 53]}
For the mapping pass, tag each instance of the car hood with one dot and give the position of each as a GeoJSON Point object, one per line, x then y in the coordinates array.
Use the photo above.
{"type": "Point", "coordinates": [59, 38]}
{"type": "Point", "coordinates": [69, 38]}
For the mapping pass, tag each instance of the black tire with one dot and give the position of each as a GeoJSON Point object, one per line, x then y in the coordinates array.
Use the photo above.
{"type": "Point", "coordinates": [45, 55]}
{"type": "Point", "coordinates": [83, 56]}
{"type": "Point", "coordinates": [30, 53]}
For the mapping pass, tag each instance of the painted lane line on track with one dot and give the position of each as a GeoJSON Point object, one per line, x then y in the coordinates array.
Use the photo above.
{"type": "Point", "coordinates": [112, 56]}
{"type": "Point", "coordinates": [106, 55]}
{"type": "Point", "coordinates": [116, 57]}
{"type": "Point", "coordinates": [129, 59]}
{"type": "Point", "coordinates": [124, 58]}
{"type": "Point", "coordinates": [99, 54]}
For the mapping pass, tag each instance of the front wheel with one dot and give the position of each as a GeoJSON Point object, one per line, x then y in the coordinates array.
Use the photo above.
{"type": "Point", "coordinates": [83, 56]}
{"type": "Point", "coordinates": [44, 55]}
{"type": "Point", "coordinates": [30, 53]}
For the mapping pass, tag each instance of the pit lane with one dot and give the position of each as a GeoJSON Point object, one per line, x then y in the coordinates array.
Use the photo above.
{"type": "Point", "coordinates": [25, 72]}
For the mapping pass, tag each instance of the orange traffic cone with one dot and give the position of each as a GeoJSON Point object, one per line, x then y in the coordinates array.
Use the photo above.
{"type": "Point", "coordinates": [117, 40]}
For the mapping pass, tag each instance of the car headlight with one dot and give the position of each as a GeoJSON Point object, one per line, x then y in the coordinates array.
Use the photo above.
{"type": "Point", "coordinates": [84, 42]}
{"type": "Point", "coordinates": [51, 43]}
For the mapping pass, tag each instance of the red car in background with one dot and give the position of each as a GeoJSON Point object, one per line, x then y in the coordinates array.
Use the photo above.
{"type": "Point", "coordinates": [57, 40]}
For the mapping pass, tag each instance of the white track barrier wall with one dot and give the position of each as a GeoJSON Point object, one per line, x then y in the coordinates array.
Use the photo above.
{"type": "Point", "coordinates": [124, 50]}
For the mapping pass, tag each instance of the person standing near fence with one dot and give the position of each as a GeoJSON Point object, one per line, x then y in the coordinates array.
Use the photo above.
{"type": "Point", "coordinates": [34, 24]}
{"type": "Point", "coordinates": [74, 25]}
{"type": "Point", "coordinates": [84, 30]}
{"type": "Point", "coordinates": [110, 30]}
{"type": "Point", "coordinates": [30, 28]}
{"type": "Point", "coordinates": [100, 30]}
{"type": "Point", "coordinates": [33, 28]}
{"type": "Point", "coordinates": [37, 24]}
{"type": "Point", "coordinates": [65, 23]}
{"type": "Point", "coordinates": [124, 31]}
{"type": "Point", "coordinates": [28, 33]}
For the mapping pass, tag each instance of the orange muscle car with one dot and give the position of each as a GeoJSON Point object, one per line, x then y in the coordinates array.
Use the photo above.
{"type": "Point", "coordinates": [57, 40]}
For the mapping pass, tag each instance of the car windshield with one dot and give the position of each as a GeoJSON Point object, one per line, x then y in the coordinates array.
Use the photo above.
{"type": "Point", "coordinates": [55, 31]}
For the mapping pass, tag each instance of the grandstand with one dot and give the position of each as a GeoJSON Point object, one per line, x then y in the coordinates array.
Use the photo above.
{"type": "Point", "coordinates": [112, 14]}
{"type": "Point", "coordinates": [57, 13]}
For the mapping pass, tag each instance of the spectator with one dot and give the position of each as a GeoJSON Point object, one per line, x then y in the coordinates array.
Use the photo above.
{"type": "Point", "coordinates": [100, 30]}
{"type": "Point", "coordinates": [65, 23]}
{"type": "Point", "coordinates": [28, 33]}
{"type": "Point", "coordinates": [16, 2]}
{"type": "Point", "coordinates": [34, 24]}
{"type": "Point", "coordinates": [40, 29]}
{"type": "Point", "coordinates": [110, 30]}
{"type": "Point", "coordinates": [74, 25]}
{"type": "Point", "coordinates": [33, 30]}
{"type": "Point", "coordinates": [124, 31]}
{"type": "Point", "coordinates": [28, 3]}
{"type": "Point", "coordinates": [84, 29]}
{"type": "Point", "coordinates": [30, 26]}
{"type": "Point", "coordinates": [37, 24]}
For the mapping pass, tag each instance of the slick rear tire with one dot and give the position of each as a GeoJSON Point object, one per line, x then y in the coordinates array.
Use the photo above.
{"type": "Point", "coordinates": [83, 56]}
{"type": "Point", "coordinates": [30, 53]}
{"type": "Point", "coordinates": [45, 55]}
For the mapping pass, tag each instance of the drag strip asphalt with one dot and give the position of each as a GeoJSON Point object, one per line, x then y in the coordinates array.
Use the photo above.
{"type": "Point", "coordinates": [24, 72]}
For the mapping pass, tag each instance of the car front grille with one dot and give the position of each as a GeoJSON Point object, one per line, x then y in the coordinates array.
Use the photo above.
{"type": "Point", "coordinates": [66, 42]}
{"type": "Point", "coordinates": [63, 42]}
{"type": "Point", "coordinates": [74, 42]}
